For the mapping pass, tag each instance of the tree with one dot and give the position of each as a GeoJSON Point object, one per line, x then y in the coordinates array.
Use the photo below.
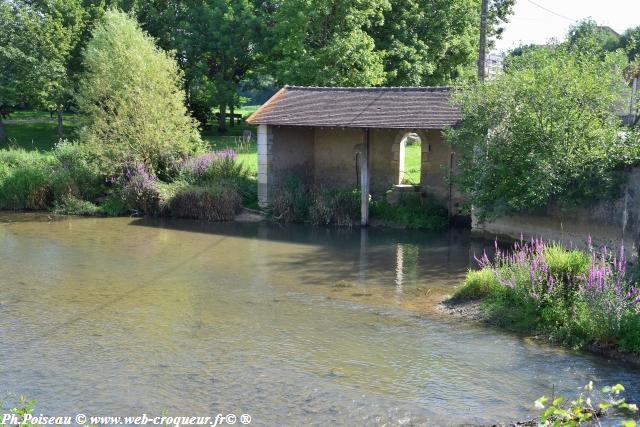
{"type": "Point", "coordinates": [434, 42]}
{"type": "Point", "coordinates": [546, 130]}
{"type": "Point", "coordinates": [35, 41]}
{"type": "Point", "coordinates": [630, 42]}
{"type": "Point", "coordinates": [325, 42]}
{"type": "Point", "coordinates": [589, 35]}
{"type": "Point", "coordinates": [218, 38]}
{"type": "Point", "coordinates": [131, 93]}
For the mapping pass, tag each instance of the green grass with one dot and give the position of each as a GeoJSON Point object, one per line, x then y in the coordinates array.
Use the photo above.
{"type": "Point", "coordinates": [478, 284]}
{"type": "Point", "coordinates": [412, 159]}
{"type": "Point", "coordinates": [35, 136]}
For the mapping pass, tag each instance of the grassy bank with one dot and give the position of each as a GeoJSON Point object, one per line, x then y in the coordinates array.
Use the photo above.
{"type": "Point", "coordinates": [68, 180]}
{"type": "Point", "coordinates": [572, 297]}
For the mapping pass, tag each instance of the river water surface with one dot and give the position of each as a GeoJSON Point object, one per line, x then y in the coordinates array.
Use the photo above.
{"type": "Point", "coordinates": [292, 325]}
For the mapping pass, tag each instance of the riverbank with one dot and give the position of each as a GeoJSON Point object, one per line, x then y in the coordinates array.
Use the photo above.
{"type": "Point", "coordinates": [582, 300]}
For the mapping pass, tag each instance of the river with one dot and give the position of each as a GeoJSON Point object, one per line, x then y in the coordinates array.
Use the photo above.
{"type": "Point", "coordinates": [292, 325]}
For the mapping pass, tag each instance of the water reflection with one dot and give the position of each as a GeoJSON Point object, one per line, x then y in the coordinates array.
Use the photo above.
{"type": "Point", "coordinates": [293, 325]}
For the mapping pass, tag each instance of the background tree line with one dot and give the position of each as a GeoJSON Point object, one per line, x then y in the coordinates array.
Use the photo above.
{"type": "Point", "coordinates": [224, 45]}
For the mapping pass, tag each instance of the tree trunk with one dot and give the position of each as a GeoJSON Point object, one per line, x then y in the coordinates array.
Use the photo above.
{"type": "Point", "coordinates": [3, 134]}
{"type": "Point", "coordinates": [231, 116]}
{"type": "Point", "coordinates": [222, 118]}
{"type": "Point", "coordinates": [60, 127]}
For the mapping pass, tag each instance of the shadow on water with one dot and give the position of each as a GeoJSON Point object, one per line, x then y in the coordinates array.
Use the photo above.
{"type": "Point", "coordinates": [363, 253]}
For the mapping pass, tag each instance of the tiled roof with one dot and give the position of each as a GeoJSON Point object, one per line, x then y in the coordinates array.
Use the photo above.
{"type": "Point", "coordinates": [392, 107]}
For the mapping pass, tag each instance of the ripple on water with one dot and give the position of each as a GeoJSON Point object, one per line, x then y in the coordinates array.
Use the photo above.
{"type": "Point", "coordinates": [124, 316]}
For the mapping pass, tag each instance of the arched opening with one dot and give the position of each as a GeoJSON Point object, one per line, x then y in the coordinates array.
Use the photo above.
{"type": "Point", "coordinates": [410, 158]}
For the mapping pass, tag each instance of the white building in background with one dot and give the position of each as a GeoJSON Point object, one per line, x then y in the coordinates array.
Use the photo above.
{"type": "Point", "coordinates": [493, 65]}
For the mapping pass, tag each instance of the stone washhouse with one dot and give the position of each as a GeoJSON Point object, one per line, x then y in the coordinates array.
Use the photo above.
{"type": "Point", "coordinates": [355, 138]}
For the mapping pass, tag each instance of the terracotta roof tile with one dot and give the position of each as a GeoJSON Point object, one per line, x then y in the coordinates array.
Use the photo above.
{"type": "Point", "coordinates": [395, 107]}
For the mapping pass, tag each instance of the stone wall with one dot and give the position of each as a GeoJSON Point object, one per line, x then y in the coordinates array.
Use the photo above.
{"type": "Point", "coordinates": [612, 223]}
{"type": "Point", "coordinates": [329, 157]}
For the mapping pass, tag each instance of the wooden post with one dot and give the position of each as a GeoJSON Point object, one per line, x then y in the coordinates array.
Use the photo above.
{"type": "Point", "coordinates": [364, 180]}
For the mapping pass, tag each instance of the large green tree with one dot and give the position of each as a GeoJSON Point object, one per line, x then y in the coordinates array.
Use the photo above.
{"type": "Point", "coordinates": [434, 42]}
{"type": "Point", "coordinates": [546, 130]}
{"type": "Point", "coordinates": [37, 39]}
{"type": "Point", "coordinates": [132, 95]}
{"type": "Point", "coordinates": [218, 39]}
{"type": "Point", "coordinates": [325, 42]}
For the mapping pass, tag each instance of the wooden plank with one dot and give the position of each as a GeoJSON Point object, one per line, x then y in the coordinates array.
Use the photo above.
{"type": "Point", "coordinates": [364, 180]}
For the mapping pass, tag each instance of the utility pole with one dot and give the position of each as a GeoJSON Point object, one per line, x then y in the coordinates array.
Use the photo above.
{"type": "Point", "coordinates": [482, 53]}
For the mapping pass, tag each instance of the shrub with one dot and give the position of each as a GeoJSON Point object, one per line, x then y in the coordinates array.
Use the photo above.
{"type": "Point", "coordinates": [25, 180]}
{"type": "Point", "coordinates": [212, 166]}
{"type": "Point", "coordinates": [212, 203]}
{"type": "Point", "coordinates": [572, 296]}
{"type": "Point", "coordinates": [70, 205]}
{"type": "Point", "coordinates": [138, 189]}
{"type": "Point", "coordinates": [291, 202]}
{"type": "Point", "coordinates": [76, 173]}
{"type": "Point", "coordinates": [544, 131]}
{"type": "Point", "coordinates": [339, 207]}
{"type": "Point", "coordinates": [412, 211]}
{"type": "Point", "coordinates": [131, 94]}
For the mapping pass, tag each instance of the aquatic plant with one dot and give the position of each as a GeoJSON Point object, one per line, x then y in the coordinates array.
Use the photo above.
{"type": "Point", "coordinates": [577, 297]}
{"type": "Point", "coordinates": [557, 411]}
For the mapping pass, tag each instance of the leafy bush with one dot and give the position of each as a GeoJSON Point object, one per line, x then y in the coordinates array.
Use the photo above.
{"type": "Point", "coordinates": [412, 211]}
{"type": "Point", "coordinates": [291, 202]}
{"type": "Point", "coordinates": [138, 189]}
{"type": "Point", "coordinates": [70, 205]}
{"type": "Point", "coordinates": [585, 409]}
{"type": "Point", "coordinates": [545, 130]}
{"type": "Point", "coordinates": [131, 94]}
{"type": "Point", "coordinates": [573, 297]}
{"type": "Point", "coordinates": [339, 207]}
{"type": "Point", "coordinates": [76, 173]}
{"type": "Point", "coordinates": [212, 203]}
{"type": "Point", "coordinates": [25, 180]}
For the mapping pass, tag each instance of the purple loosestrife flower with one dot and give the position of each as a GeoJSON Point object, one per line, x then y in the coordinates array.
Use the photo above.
{"type": "Point", "coordinates": [198, 165]}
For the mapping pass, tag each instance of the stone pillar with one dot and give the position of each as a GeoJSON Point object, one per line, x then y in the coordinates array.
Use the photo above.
{"type": "Point", "coordinates": [398, 157]}
{"type": "Point", "coordinates": [265, 169]}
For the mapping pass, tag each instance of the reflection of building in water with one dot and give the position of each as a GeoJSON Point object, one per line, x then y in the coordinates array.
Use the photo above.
{"type": "Point", "coordinates": [493, 65]}
{"type": "Point", "coordinates": [406, 264]}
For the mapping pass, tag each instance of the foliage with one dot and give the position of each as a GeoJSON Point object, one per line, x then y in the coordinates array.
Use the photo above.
{"type": "Point", "coordinates": [212, 166]}
{"type": "Point", "coordinates": [131, 95]}
{"type": "Point", "coordinates": [25, 180]}
{"type": "Point", "coordinates": [433, 42]}
{"type": "Point", "coordinates": [411, 211]}
{"type": "Point", "coordinates": [233, 28]}
{"type": "Point", "coordinates": [214, 202]}
{"type": "Point", "coordinates": [326, 43]}
{"type": "Point", "coordinates": [35, 41]}
{"type": "Point", "coordinates": [478, 284]}
{"type": "Point", "coordinates": [291, 202]}
{"type": "Point", "coordinates": [557, 411]}
{"type": "Point", "coordinates": [76, 173]}
{"type": "Point", "coordinates": [545, 130]}
{"type": "Point", "coordinates": [339, 207]}
{"type": "Point", "coordinates": [630, 42]}
{"type": "Point", "coordinates": [70, 205]}
{"type": "Point", "coordinates": [138, 189]}
{"type": "Point", "coordinates": [573, 297]}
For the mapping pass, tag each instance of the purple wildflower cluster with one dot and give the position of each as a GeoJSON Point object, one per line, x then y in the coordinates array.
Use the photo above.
{"type": "Point", "coordinates": [138, 187]}
{"type": "Point", "coordinates": [197, 166]}
{"type": "Point", "coordinates": [525, 267]}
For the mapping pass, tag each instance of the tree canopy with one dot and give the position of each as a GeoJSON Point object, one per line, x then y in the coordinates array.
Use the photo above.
{"type": "Point", "coordinates": [132, 95]}
{"type": "Point", "coordinates": [546, 130]}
